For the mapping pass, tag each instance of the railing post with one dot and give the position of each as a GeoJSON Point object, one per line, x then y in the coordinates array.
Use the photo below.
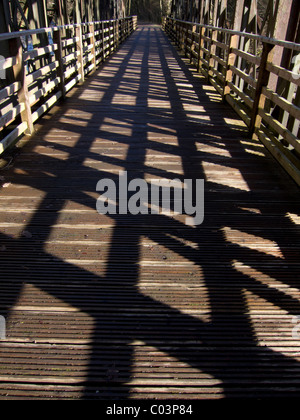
{"type": "Point", "coordinates": [194, 28]}
{"type": "Point", "coordinates": [185, 37]}
{"type": "Point", "coordinates": [174, 29]}
{"type": "Point", "coordinates": [57, 39]}
{"type": "Point", "coordinates": [111, 33]}
{"type": "Point", "coordinates": [103, 41]}
{"type": "Point", "coordinates": [92, 41]}
{"type": "Point", "coordinates": [200, 51]}
{"type": "Point", "coordinates": [123, 29]}
{"type": "Point", "coordinates": [167, 26]}
{"type": "Point", "coordinates": [128, 27]}
{"type": "Point", "coordinates": [19, 71]}
{"type": "Point", "coordinates": [262, 81]}
{"type": "Point", "coordinates": [117, 34]}
{"type": "Point", "coordinates": [114, 35]}
{"type": "Point", "coordinates": [181, 42]}
{"type": "Point", "coordinates": [178, 34]}
{"type": "Point", "coordinates": [120, 30]}
{"type": "Point", "coordinates": [109, 40]}
{"type": "Point", "coordinates": [212, 52]}
{"type": "Point", "coordinates": [170, 28]}
{"type": "Point", "coordinates": [79, 50]}
{"type": "Point", "coordinates": [231, 57]}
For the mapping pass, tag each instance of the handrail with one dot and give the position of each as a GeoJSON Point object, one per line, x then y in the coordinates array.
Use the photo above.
{"type": "Point", "coordinates": [247, 74]}
{"type": "Point", "coordinates": [261, 38]}
{"type": "Point", "coordinates": [11, 35]}
{"type": "Point", "coordinates": [36, 79]}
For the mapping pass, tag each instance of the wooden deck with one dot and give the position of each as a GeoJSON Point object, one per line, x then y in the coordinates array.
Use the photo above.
{"type": "Point", "coordinates": [145, 306]}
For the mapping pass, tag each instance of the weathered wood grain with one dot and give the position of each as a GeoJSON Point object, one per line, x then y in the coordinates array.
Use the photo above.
{"type": "Point", "coordinates": [103, 307]}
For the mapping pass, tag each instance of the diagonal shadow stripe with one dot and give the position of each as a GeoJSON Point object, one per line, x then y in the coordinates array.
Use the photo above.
{"type": "Point", "coordinates": [148, 316]}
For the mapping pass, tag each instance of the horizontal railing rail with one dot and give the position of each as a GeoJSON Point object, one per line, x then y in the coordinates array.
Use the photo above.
{"type": "Point", "coordinates": [244, 69]}
{"type": "Point", "coordinates": [34, 78]}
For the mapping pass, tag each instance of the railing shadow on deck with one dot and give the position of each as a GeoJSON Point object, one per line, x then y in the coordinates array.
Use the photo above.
{"type": "Point", "coordinates": [245, 69]}
{"type": "Point", "coordinates": [223, 342]}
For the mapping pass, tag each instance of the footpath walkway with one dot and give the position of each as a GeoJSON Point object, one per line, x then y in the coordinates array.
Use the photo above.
{"type": "Point", "coordinates": [116, 306]}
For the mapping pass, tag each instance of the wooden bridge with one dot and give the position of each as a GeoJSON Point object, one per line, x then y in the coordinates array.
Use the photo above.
{"type": "Point", "coordinates": [146, 306]}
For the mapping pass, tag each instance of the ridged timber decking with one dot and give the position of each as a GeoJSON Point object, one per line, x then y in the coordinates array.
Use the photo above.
{"type": "Point", "coordinates": [146, 306]}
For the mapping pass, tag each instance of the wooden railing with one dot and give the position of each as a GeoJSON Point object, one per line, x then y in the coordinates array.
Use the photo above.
{"type": "Point", "coordinates": [33, 81]}
{"type": "Point", "coordinates": [242, 68]}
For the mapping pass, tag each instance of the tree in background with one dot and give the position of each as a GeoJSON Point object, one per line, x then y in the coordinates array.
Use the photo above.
{"type": "Point", "coordinates": [32, 14]}
{"type": "Point", "coordinates": [148, 10]}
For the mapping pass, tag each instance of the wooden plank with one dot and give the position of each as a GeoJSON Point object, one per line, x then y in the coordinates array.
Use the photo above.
{"type": "Point", "coordinates": [87, 36]}
{"type": "Point", "coordinates": [68, 42]}
{"type": "Point", "coordinates": [10, 90]}
{"type": "Point", "coordinates": [11, 115]}
{"type": "Point", "coordinates": [74, 69]}
{"type": "Point", "coordinates": [73, 82]}
{"type": "Point", "coordinates": [38, 52]}
{"type": "Point", "coordinates": [8, 63]}
{"type": "Point", "coordinates": [220, 76]}
{"type": "Point", "coordinates": [44, 71]}
{"type": "Point", "coordinates": [279, 155]}
{"type": "Point", "coordinates": [219, 44]}
{"type": "Point", "coordinates": [87, 49]}
{"type": "Point", "coordinates": [248, 57]}
{"type": "Point", "coordinates": [90, 68]}
{"type": "Point", "coordinates": [46, 106]}
{"type": "Point", "coordinates": [70, 57]}
{"type": "Point", "coordinates": [244, 76]}
{"type": "Point", "coordinates": [218, 87]}
{"type": "Point", "coordinates": [123, 306]}
{"type": "Point", "coordinates": [286, 105]}
{"type": "Point", "coordinates": [280, 129]}
{"type": "Point", "coordinates": [34, 97]}
{"type": "Point", "coordinates": [89, 58]}
{"type": "Point", "coordinates": [248, 101]}
{"type": "Point", "coordinates": [220, 60]}
{"type": "Point", "coordinates": [238, 109]}
{"type": "Point", "coordinates": [12, 137]}
{"type": "Point", "coordinates": [283, 73]}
